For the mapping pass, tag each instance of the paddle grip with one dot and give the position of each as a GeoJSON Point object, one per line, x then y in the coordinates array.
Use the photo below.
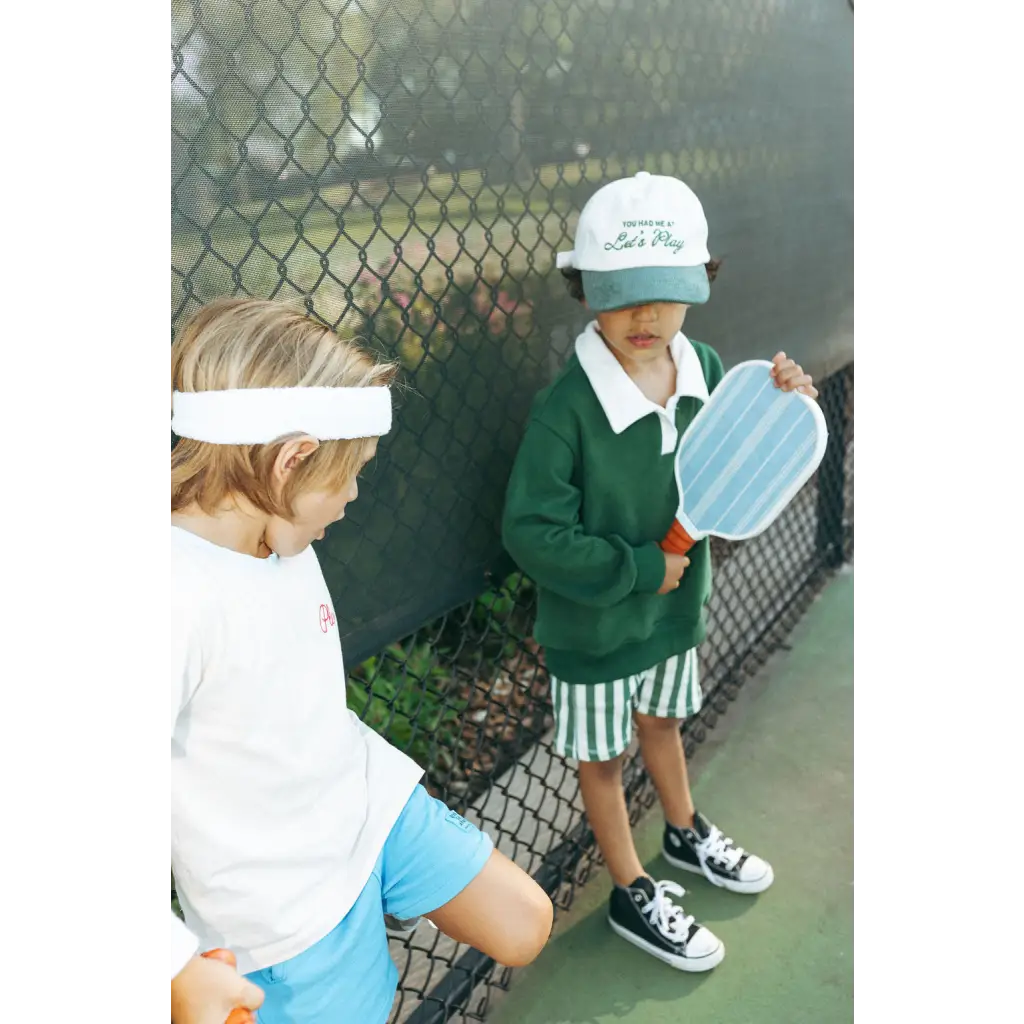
{"type": "Point", "coordinates": [239, 1015]}
{"type": "Point", "coordinates": [677, 541]}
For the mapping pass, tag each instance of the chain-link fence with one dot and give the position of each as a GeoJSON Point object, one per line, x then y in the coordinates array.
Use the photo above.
{"type": "Point", "coordinates": [407, 169]}
{"type": "Point", "coordinates": [496, 765]}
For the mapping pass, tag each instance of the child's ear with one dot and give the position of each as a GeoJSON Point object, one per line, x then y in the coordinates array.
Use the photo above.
{"type": "Point", "coordinates": [292, 454]}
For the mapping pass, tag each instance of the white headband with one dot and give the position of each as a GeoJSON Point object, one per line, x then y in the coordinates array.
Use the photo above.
{"type": "Point", "coordinates": [262, 415]}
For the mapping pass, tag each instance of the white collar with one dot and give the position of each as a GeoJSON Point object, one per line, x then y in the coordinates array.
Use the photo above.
{"type": "Point", "coordinates": [623, 402]}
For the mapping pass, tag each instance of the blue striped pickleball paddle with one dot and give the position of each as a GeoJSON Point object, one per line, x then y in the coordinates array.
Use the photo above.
{"type": "Point", "coordinates": [744, 457]}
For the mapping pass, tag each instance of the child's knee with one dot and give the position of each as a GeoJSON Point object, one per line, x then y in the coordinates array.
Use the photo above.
{"type": "Point", "coordinates": [529, 932]}
{"type": "Point", "coordinates": [503, 912]}
{"type": "Point", "coordinates": [649, 724]}
{"type": "Point", "coordinates": [610, 770]}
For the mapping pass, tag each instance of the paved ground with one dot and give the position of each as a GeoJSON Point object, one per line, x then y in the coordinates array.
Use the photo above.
{"type": "Point", "coordinates": [777, 774]}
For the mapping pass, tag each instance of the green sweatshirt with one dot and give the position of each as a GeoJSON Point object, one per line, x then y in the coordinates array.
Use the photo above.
{"type": "Point", "coordinates": [591, 494]}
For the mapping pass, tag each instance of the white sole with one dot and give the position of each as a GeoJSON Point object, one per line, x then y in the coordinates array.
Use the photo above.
{"type": "Point", "coordinates": [680, 963]}
{"type": "Point", "coordinates": [748, 888]}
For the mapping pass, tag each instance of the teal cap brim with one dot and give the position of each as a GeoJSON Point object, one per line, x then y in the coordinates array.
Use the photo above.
{"type": "Point", "coordinates": [616, 289]}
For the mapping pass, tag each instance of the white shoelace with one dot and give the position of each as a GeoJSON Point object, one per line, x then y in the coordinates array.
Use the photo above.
{"type": "Point", "coordinates": [720, 849]}
{"type": "Point", "coordinates": [665, 915]}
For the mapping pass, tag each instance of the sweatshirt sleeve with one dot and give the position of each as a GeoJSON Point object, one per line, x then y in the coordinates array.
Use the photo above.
{"type": "Point", "coordinates": [184, 945]}
{"type": "Point", "coordinates": [541, 530]}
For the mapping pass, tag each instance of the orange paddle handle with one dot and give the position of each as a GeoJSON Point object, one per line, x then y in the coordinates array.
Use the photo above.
{"type": "Point", "coordinates": [239, 1015]}
{"type": "Point", "coordinates": [677, 541]}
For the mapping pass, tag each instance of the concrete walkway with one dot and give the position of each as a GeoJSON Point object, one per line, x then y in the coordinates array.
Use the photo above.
{"type": "Point", "coordinates": [777, 775]}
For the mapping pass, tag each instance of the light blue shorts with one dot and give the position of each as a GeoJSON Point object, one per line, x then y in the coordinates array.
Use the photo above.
{"type": "Point", "coordinates": [429, 857]}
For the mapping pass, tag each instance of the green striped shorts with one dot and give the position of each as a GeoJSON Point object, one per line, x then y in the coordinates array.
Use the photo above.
{"type": "Point", "coordinates": [595, 722]}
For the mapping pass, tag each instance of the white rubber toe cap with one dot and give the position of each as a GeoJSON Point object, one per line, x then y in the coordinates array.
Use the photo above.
{"type": "Point", "coordinates": [756, 873]}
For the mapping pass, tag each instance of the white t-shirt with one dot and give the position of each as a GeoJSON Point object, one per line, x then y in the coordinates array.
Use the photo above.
{"type": "Point", "coordinates": [183, 946]}
{"type": "Point", "coordinates": [281, 799]}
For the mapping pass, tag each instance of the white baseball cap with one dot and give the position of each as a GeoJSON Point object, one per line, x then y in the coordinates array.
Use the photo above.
{"type": "Point", "coordinates": [641, 239]}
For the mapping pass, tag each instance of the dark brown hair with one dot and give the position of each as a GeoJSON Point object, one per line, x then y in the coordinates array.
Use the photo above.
{"type": "Point", "coordinates": [574, 278]}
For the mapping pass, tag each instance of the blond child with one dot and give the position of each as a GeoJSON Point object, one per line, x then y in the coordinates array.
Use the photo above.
{"type": "Point", "coordinates": [295, 828]}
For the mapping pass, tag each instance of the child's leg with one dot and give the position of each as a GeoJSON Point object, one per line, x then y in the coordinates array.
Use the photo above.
{"type": "Point", "coordinates": [604, 800]}
{"type": "Point", "coordinates": [439, 866]}
{"type": "Point", "coordinates": [691, 841]}
{"type": "Point", "coordinates": [433, 858]}
{"type": "Point", "coordinates": [669, 693]}
{"type": "Point", "coordinates": [661, 747]}
{"type": "Point", "coordinates": [593, 724]}
{"type": "Point", "coordinates": [503, 912]}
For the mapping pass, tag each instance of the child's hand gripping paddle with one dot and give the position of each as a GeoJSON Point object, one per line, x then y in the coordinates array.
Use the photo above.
{"type": "Point", "coordinates": [239, 1015]}
{"type": "Point", "coordinates": [744, 457]}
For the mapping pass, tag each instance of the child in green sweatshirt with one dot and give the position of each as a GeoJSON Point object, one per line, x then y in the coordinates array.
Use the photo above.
{"type": "Point", "coordinates": [592, 492]}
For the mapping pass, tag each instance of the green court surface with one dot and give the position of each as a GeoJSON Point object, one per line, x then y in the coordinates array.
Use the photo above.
{"type": "Point", "coordinates": [776, 775]}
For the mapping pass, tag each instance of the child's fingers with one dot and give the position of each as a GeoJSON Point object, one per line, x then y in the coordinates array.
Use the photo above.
{"type": "Point", "coordinates": [809, 390]}
{"type": "Point", "coordinates": [225, 956]}
{"type": "Point", "coordinates": [791, 372]}
{"type": "Point", "coordinates": [795, 381]}
{"type": "Point", "coordinates": [792, 381]}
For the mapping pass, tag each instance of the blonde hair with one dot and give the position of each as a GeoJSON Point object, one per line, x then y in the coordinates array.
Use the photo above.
{"type": "Point", "coordinates": [257, 343]}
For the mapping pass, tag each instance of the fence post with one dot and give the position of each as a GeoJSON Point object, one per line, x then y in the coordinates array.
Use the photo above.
{"type": "Point", "coordinates": [831, 473]}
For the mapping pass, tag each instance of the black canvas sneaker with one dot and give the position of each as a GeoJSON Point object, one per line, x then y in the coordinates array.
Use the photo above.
{"type": "Point", "coordinates": [704, 850]}
{"type": "Point", "coordinates": [645, 915]}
